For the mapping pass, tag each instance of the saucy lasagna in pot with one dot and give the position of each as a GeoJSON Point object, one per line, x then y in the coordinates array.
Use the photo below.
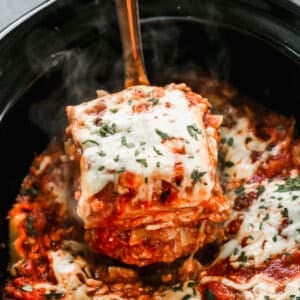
{"type": "Point", "coordinates": [155, 194]}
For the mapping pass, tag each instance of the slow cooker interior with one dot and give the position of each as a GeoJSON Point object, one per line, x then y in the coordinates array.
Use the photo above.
{"type": "Point", "coordinates": [173, 48]}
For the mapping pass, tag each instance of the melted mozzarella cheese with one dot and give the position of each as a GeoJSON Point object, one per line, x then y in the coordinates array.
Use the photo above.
{"type": "Point", "coordinates": [143, 142]}
{"type": "Point", "coordinates": [73, 276]}
{"type": "Point", "coordinates": [239, 144]}
{"type": "Point", "coordinates": [262, 234]}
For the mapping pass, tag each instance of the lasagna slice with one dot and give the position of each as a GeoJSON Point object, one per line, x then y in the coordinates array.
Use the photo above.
{"type": "Point", "coordinates": [146, 180]}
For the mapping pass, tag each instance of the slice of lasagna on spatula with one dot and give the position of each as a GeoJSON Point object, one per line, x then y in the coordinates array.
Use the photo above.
{"type": "Point", "coordinates": [146, 165]}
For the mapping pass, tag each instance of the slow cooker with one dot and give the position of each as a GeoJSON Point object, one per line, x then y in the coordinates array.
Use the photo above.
{"type": "Point", "coordinates": [63, 51]}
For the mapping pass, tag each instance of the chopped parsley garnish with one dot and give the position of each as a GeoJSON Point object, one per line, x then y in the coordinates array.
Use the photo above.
{"type": "Point", "coordinates": [54, 295]}
{"type": "Point", "coordinates": [157, 151]}
{"type": "Point", "coordinates": [193, 131]}
{"type": "Point", "coordinates": [154, 101]}
{"type": "Point", "coordinates": [230, 141]}
{"type": "Point", "coordinates": [106, 130]}
{"type": "Point", "coordinates": [266, 217]}
{"type": "Point", "coordinates": [158, 164]}
{"type": "Point", "coordinates": [27, 288]}
{"type": "Point", "coordinates": [142, 143]}
{"type": "Point", "coordinates": [177, 287]}
{"type": "Point", "coordinates": [209, 295]}
{"type": "Point", "coordinates": [229, 164]}
{"type": "Point", "coordinates": [101, 168]}
{"type": "Point", "coordinates": [121, 170]}
{"type": "Point", "coordinates": [191, 284]}
{"type": "Point", "coordinates": [31, 191]}
{"type": "Point", "coordinates": [117, 158]}
{"type": "Point", "coordinates": [223, 140]}
{"type": "Point", "coordinates": [274, 238]}
{"type": "Point", "coordinates": [143, 162]}
{"type": "Point", "coordinates": [240, 191]}
{"type": "Point", "coordinates": [243, 257]}
{"type": "Point", "coordinates": [260, 190]}
{"type": "Point", "coordinates": [196, 175]}
{"type": "Point", "coordinates": [101, 153]}
{"type": "Point", "coordinates": [248, 139]}
{"type": "Point", "coordinates": [29, 226]}
{"type": "Point", "coordinates": [163, 135]}
{"type": "Point", "coordinates": [113, 110]}
{"type": "Point", "coordinates": [291, 184]}
{"type": "Point", "coordinates": [90, 141]}
{"type": "Point", "coordinates": [136, 152]}
{"type": "Point", "coordinates": [125, 143]}
{"type": "Point", "coordinates": [285, 213]}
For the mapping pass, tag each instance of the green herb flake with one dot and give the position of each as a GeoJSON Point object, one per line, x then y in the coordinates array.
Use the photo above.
{"type": "Point", "coordinates": [90, 141]}
{"type": "Point", "coordinates": [136, 152]}
{"type": "Point", "coordinates": [197, 175]}
{"type": "Point", "coordinates": [121, 170]}
{"type": "Point", "coordinates": [143, 162]}
{"type": "Point", "coordinates": [240, 191]}
{"type": "Point", "coordinates": [154, 101]}
{"type": "Point", "coordinates": [157, 151]}
{"type": "Point", "coordinates": [163, 135]}
{"type": "Point", "coordinates": [193, 131]}
{"type": "Point", "coordinates": [54, 295]}
{"type": "Point", "coordinates": [27, 288]}
{"type": "Point", "coordinates": [32, 191]}
{"type": "Point", "coordinates": [285, 213]}
{"type": "Point", "coordinates": [191, 284]}
{"type": "Point", "coordinates": [187, 297]}
{"type": "Point", "coordinates": [101, 168]}
{"type": "Point", "coordinates": [209, 295]}
{"type": "Point", "coordinates": [101, 153]}
{"type": "Point", "coordinates": [243, 257]}
{"type": "Point", "coordinates": [230, 141]}
{"type": "Point", "coordinates": [266, 217]}
{"type": "Point", "coordinates": [295, 197]}
{"type": "Point", "coordinates": [158, 164]}
{"type": "Point", "coordinates": [105, 130]}
{"type": "Point", "coordinates": [29, 226]}
{"type": "Point", "coordinates": [125, 143]}
{"type": "Point", "coordinates": [248, 139]}
{"type": "Point", "coordinates": [116, 159]}
{"type": "Point", "coordinates": [113, 110]}
{"type": "Point", "coordinates": [291, 184]}
{"type": "Point", "coordinates": [178, 287]}
{"type": "Point", "coordinates": [261, 190]}
{"type": "Point", "coordinates": [229, 164]}
{"type": "Point", "coordinates": [274, 238]}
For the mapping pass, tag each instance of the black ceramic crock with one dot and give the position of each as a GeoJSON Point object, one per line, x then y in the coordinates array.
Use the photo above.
{"type": "Point", "coordinates": [64, 50]}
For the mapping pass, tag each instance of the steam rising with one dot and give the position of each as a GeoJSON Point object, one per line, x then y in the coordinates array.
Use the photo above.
{"type": "Point", "coordinates": [173, 51]}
